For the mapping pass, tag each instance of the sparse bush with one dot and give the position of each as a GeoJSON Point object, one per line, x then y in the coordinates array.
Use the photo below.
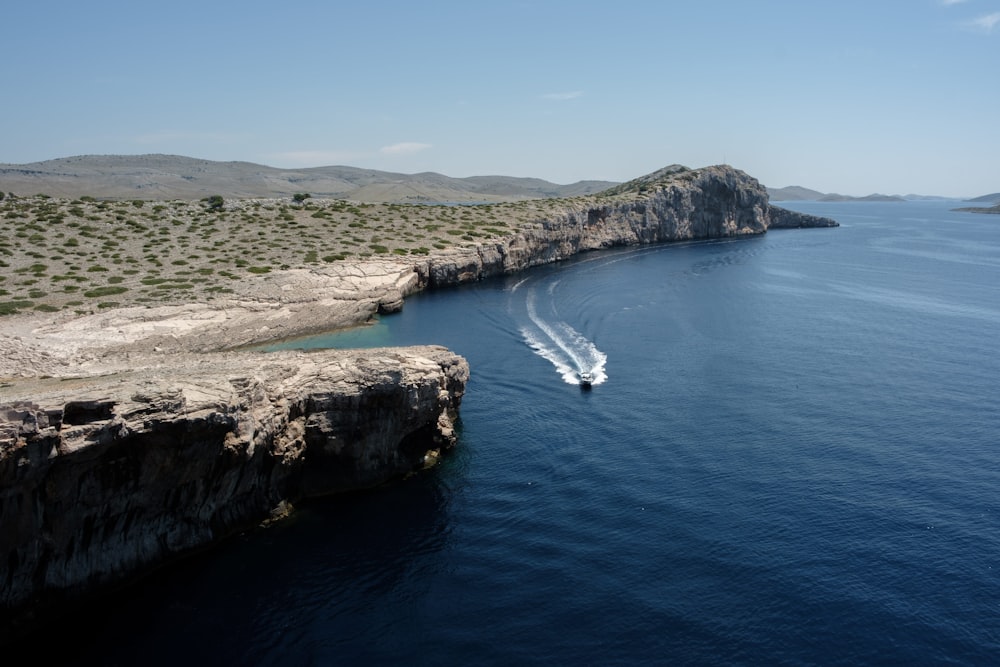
{"type": "Point", "coordinates": [214, 203]}
{"type": "Point", "coordinates": [11, 307]}
{"type": "Point", "coordinates": [105, 291]}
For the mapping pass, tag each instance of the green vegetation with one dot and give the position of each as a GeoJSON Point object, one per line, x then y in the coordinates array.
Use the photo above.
{"type": "Point", "coordinates": [214, 203]}
{"type": "Point", "coordinates": [105, 291]}
{"type": "Point", "coordinates": [55, 251]}
{"type": "Point", "coordinates": [10, 307]}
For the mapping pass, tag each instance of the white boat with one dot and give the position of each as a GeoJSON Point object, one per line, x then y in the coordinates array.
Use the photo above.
{"type": "Point", "coordinates": [586, 379]}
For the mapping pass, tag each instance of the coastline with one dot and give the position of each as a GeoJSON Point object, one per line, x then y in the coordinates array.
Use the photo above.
{"type": "Point", "coordinates": [84, 394]}
{"type": "Point", "coordinates": [670, 205]}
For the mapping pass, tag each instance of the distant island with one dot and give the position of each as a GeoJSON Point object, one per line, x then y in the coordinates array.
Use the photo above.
{"type": "Point", "coordinates": [799, 193]}
{"type": "Point", "coordinates": [987, 199]}
{"type": "Point", "coordinates": [980, 209]}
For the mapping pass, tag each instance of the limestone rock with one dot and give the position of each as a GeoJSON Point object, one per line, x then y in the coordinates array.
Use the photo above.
{"type": "Point", "coordinates": [673, 204]}
{"type": "Point", "coordinates": [104, 477]}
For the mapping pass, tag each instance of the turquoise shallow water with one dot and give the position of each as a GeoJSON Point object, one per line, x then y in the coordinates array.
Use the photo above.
{"type": "Point", "coordinates": [790, 456]}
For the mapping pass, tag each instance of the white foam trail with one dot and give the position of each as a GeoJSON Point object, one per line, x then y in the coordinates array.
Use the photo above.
{"type": "Point", "coordinates": [518, 284]}
{"type": "Point", "coordinates": [565, 347]}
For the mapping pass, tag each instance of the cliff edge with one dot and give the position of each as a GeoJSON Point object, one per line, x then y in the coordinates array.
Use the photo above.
{"type": "Point", "coordinates": [106, 477]}
{"type": "Point", "coordinates": [672, 204]}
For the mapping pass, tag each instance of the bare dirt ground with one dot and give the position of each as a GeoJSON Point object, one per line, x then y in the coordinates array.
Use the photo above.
{"type": "Point", "coordinates": [279, 305]}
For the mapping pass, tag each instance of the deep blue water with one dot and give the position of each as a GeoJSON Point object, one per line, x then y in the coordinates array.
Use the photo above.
{"type": "Point", "coordinates": [791, 456]}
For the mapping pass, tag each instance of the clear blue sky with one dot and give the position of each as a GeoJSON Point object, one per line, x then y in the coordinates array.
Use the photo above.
{"type": "Point", "coordinates": [857, 96]}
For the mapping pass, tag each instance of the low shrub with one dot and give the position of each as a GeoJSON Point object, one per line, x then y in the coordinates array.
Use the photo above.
{"type": "Point", "coordinates": [11, 307]}
{"type": "Point", "coordinates": [105, 291]}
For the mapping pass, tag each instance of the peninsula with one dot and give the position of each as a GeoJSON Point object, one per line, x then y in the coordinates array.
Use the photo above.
{"type": "Point", "coordinates": [133, 427]}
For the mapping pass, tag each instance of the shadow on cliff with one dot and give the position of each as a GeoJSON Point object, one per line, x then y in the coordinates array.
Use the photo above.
{"type": "Point", "coordinates": [260, 596]}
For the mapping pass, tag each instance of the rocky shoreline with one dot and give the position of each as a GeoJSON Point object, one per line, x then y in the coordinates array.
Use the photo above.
{"type": "Point", "coordinates": [132, 436]}
{"type": "Point", "coordinates": [109, 476]}
{"type": "Point", "coordinates": [671, 205]}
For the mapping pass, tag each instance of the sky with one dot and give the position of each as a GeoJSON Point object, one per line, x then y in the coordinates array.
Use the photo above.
{"type": "Point", "coordinates": [853, 97]}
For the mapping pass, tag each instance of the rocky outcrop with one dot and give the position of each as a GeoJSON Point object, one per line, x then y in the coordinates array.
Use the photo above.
{"type": "Point", "coordinates": [980, 209]}
{"type": "Point", "coordinates": [781, 218]}
{"type": "Point", "coordinates": [672, 204]}
{"type": "Point", "coordinates": [102, 478]}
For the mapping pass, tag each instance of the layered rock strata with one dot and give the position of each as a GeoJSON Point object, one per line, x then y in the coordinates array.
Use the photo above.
{"type": "Point", "coordinates": [105, 477]}
{"type": "Point", "coordinates": [673, 204]}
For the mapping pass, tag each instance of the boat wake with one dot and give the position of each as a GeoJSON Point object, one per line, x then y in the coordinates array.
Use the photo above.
{"type": "Point", "coordinates": [566, 348]}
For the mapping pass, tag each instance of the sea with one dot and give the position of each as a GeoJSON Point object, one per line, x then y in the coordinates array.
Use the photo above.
{"type": "Point", "coordinates": [790, 455]}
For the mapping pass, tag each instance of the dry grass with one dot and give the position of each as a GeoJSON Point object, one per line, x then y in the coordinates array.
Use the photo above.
{"type": "Point", "coordinates": [85, 255]}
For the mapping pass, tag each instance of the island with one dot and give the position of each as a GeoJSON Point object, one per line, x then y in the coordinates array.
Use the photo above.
{"type": "Point", "coordinates": [136, 426]}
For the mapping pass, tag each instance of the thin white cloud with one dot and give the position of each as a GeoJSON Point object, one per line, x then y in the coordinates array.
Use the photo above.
{"type": "Point", "coordinates": [949, 3]}
{"type": "Point", "coordinates": [404, 148]}
{"type": "Point", "coordinates": [986, 23]}
{"type": "Point", "coordinates": [563, 96]}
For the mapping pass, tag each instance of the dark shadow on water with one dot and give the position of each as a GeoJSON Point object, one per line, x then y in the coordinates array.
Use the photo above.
{"type": "Point", "coordinates": [254, 598]}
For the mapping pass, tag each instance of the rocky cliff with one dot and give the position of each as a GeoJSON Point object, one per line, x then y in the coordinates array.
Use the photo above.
{"type": "Point", "coordinates": [672, 204]}
{"type": "Point", "coordinates": [104, 477]}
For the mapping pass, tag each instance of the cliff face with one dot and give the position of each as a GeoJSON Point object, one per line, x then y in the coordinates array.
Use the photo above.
{"type": "Point", "coordinates": [101, 478]}
{"type": "Point", "coordinates": [673, 204]}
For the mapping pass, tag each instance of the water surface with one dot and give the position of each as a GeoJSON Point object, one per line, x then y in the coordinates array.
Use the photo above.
{"type": "Point", "coordinates": [789, 456]}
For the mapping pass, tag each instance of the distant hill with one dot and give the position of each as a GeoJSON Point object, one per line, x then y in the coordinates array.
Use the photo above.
{"type": "Point", "coordinates": [166, 177]}
{"type": "Point", "coordinates": [873, 197]}
{"type": "Point", "coordinates": [799, 193]}
{"type": "Point", "coordinates": [794, 193]}
{"type": "Point", "coordinates": [988, 199]}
